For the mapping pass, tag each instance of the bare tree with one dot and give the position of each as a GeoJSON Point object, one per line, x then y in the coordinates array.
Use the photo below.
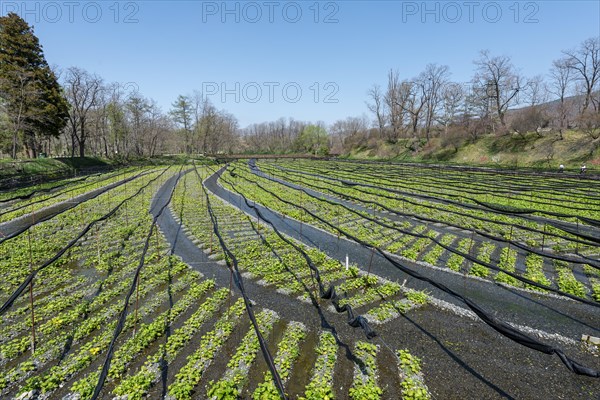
{"type": "Point", "coordinates": [228, 138]}
{"type": "Point", "coordinates": [412, 102]}
{"type": "Point", "coordinates": [536, 91]}
{"type": "Point", "coordinates": [98, 126]}
{"type": "Point", "coordinates": [394, 105]}
{"type": "Point", "coordinates": [433, 80]}
{"type": "Point", "coordinates": [83, 90]}
{"type": "Point", "coordinates": [561, 80]}
{"type": "Point", "coordinates": [377, 107]}
{"type": "Point", "coordinates": [351, 129]}
{"type": "Point", "coordinates": [156, 127]}
{"type": "Point", "coordinates": [452, 95]}
{"type": "Point", "coordinates": [498, 82]}
{"type": "Point", "coordinates": [584, 62]}
{"type": "Point", "coordinates": [137, 107]}
{"type": "Point", "coordinates": [208, 126]}
{"type": "Point", "coordinates": [589, 123]}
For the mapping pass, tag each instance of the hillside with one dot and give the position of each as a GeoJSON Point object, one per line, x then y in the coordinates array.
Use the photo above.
{"type": "Point", "coordinates": [544, 150]}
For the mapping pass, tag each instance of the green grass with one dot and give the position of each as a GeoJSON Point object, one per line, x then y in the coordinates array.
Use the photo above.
{"type": "Point", "coordinates": [47, 166]}
{"type": "Point", "coordinates": [510, 151]}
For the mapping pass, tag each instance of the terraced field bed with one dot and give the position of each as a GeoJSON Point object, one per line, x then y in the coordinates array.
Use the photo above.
{"type": "Point", "coordinates": [300, 279]}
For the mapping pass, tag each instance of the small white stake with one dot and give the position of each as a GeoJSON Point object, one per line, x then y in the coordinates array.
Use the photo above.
{"type": "Point", "coordinates": [346, 262]}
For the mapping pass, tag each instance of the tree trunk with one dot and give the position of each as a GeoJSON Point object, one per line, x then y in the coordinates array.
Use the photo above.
{"type": "Point", "coordinates": [502, 122]}
{"type": "Point", "coordinates": [30, 146]}
{"type": "Point", "coordinates": [14, 145]}
{"type": "Point", "coordinates": [72, 145]}
{"type": "Point", "coordinates": [105, 147]}
{"type": "Point", "coordinates": [82, 138]}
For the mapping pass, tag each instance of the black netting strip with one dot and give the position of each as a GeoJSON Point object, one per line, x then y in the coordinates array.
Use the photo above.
{"type": "Point", "coordinates": [498, 325]}
{"type": "Point", "coordinates": [123, 313]}
{"type": "Point", "coordinates": [433, 207]}
{"type": "Point", "coordinates": [62, 251]}
{"type": "Point", "coordinates": [592, 263]}
{"type": "Point", "coordinates": [481, 207]}
{"type": "Point", "coordinates": [232, 264]}
{"type": "Point", "coordinates": [50, 216]}
{"type": "Point", "coordinates": [354, 321]}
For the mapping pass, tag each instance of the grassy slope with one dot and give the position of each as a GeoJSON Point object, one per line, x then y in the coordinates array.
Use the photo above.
{"type": "Point", "coordinates": [530, 150]}
{"type": "Point", "coordinates": [62, 167]}
{"type": "Point", "coordinates": [48, 165]}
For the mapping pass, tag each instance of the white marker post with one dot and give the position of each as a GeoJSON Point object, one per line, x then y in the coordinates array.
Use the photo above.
{"type": "Point", "coordinates": [346, 262]}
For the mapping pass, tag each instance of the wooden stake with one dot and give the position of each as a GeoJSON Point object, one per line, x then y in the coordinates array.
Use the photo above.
{"type": "Point", "coordinates": [371, 261]}
{"type": "Point", "coordinates": [157, 242]}
{"type": "Point", "coordinates": [137, 300]}
{"type": "Point", "coordinates": [577, 245]}
{"type": "Point", "coordinates": [230, 284]}
{"type": "Point", "coordinates": [544, 237]}
{"type": "Point", "coordinates": [98, 243]}
{"type": "Point", "coordinates": [31, 294]}
{"type": "Point", "coordinates": [33, 339]}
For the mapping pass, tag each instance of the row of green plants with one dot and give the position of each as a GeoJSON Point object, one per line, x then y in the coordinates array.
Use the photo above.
{"type": "Point", "coordinates": [412, 383]}
{"type": "Point", "coordinates": [453, 188]}
{"type": "Point", "coordinates": [507, 227]}
{"type": "Point", "coordinates": [454, 262]}
{"type": "Point", "coordinates": [79, 322]}
{"type": "Point", "coordinates": [288, 351]}
{"type": "Point", "coordinates": [149, 333]}
{"type": "Point", "coordinates": [235, 376]}
{"type": "Point", "coordinates": [393, 308]}
{"type": "Point", "coordinates": [321, 385]}
{"type": "Point", "coordinates": [364, 386]}
{"type": "Point", "coordinates": [37, 202]}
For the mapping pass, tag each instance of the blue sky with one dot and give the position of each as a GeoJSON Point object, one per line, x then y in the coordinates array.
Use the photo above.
{"type": "Point", "coordinates": [307, 60]}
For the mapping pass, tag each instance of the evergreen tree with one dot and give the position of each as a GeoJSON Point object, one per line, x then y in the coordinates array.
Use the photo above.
{"type": "Point", "coordinates": [32, 101]}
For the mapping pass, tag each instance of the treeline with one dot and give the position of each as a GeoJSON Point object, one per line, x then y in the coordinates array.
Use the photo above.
{"type": "Point", "coordinates": [432, 103]}
{"type": "Point", "coordinates": [108, 119]}
{"type": "Point", "coordinates": [498, 100]}
{"type": "Point", "coordinates": [76, 113]}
